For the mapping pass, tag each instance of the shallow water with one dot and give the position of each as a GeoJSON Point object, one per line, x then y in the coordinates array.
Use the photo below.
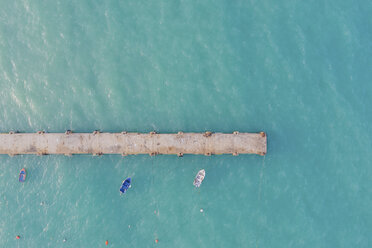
{"type": "Point", "coordinates": [299, 71]}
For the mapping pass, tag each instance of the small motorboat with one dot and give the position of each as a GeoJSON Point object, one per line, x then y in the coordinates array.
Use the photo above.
{"type": "Point", "coordinates": [199, 178]}
{"type": "Point", "coordinates": [125, 186]}
{"type": "Point", "coordinates": [22, 175]}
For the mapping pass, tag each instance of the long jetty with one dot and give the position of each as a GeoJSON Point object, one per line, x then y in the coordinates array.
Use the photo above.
{"type": "Point", "coordinates": [126, 143]}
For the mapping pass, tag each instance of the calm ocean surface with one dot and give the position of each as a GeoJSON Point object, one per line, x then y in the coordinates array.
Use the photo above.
{"type": "Point", "coordinates": [298, 70]}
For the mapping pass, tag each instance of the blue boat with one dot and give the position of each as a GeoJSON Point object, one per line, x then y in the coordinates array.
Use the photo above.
{"type": "Point", "coordinates": [125, 186]}
{"type": "Point", "coordinates": [22, 175]}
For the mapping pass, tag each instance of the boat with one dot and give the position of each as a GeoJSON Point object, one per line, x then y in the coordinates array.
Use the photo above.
{"type": "Point", "coordinates": [199, 178]}
{"type": "Point", "coordinates": [125, 185]}
{"type": "Point", "coordinates": [22, 175]}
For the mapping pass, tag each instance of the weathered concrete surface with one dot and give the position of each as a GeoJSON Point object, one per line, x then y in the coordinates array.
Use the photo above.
{"type": "Point", "coordinates": [132, 143]}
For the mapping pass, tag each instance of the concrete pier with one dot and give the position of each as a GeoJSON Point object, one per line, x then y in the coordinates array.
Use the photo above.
{"type": "Point", "coordinates": [124, 143]}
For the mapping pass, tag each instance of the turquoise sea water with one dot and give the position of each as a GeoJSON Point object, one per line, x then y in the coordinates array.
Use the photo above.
{"type": "Point", "coordinates": [298, 70]}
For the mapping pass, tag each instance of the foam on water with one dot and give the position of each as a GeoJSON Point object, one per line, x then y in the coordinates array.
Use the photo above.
{"type": "Point", "coordinates": [299, 71]}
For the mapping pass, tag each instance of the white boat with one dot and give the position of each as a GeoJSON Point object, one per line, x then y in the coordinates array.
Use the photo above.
{"type": "Point", "coordinates": [199, 178]}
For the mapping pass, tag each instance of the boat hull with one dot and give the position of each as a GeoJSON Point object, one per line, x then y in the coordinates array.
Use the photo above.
{"type": "Point", "coordinates": [22, 176]}
{"type": "Point", "coordinates": [125, 185]}
{"type": "Point", "coordinates": [199, 178]}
